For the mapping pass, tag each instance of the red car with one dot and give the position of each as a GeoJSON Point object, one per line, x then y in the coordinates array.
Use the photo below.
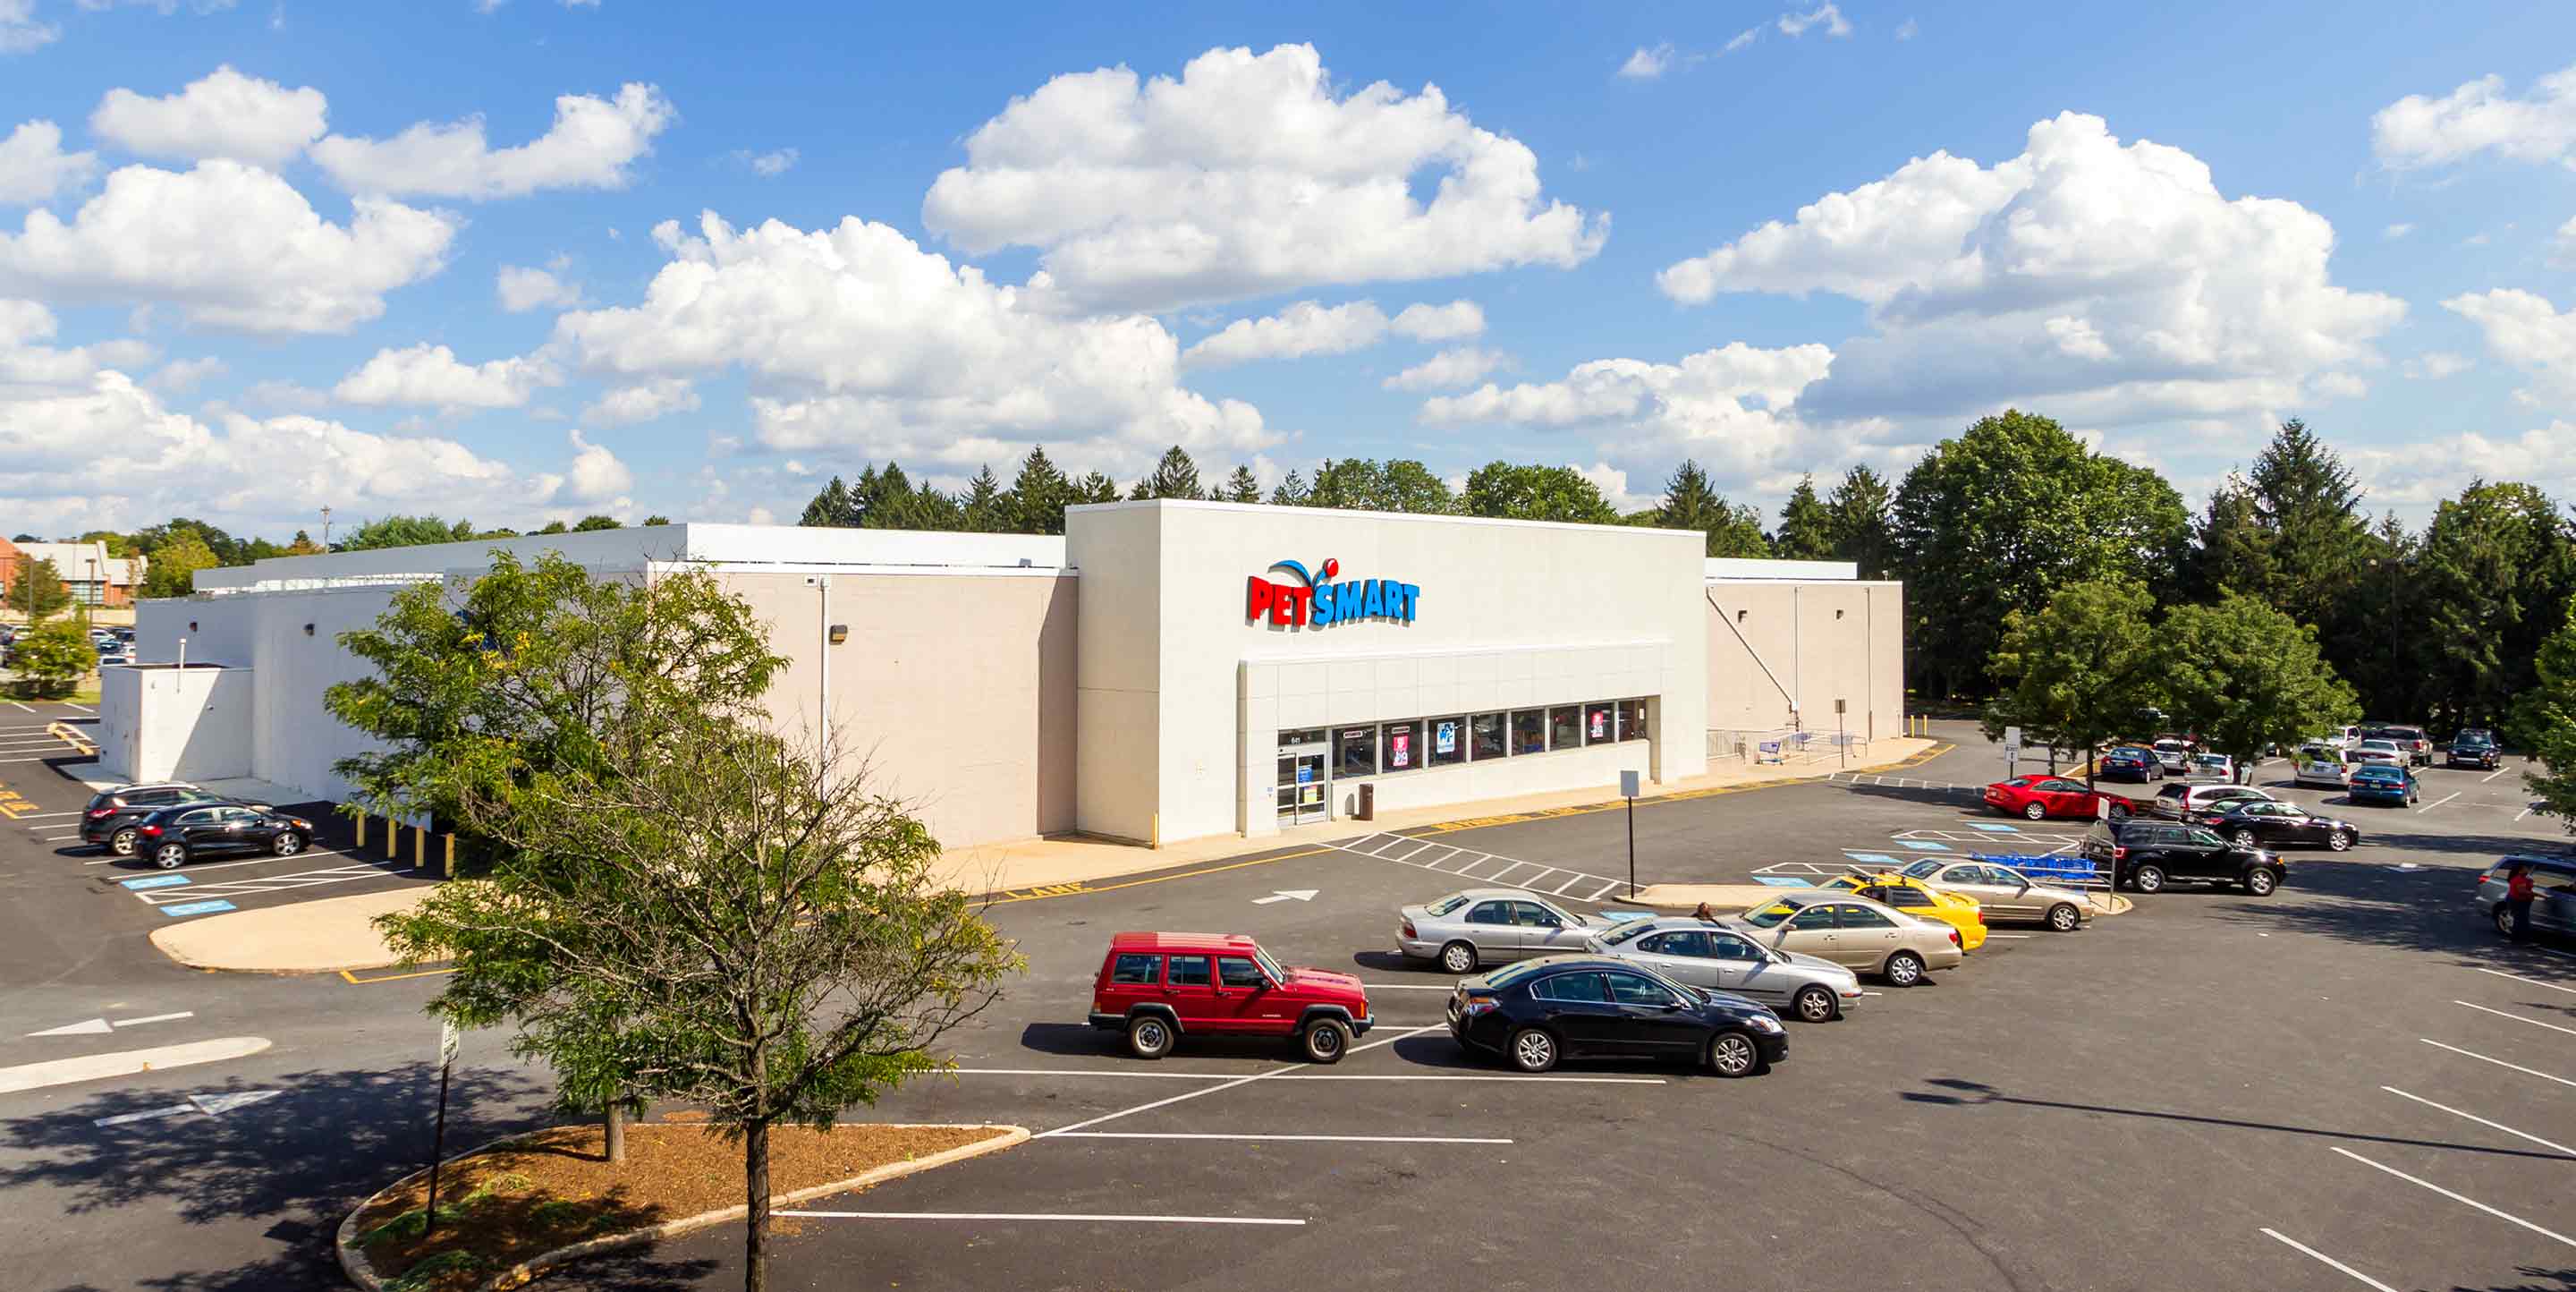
{"type": "Point", "coordinates": [2040, 796]}
{"type": "Point", "coordinates": [1159, 987]}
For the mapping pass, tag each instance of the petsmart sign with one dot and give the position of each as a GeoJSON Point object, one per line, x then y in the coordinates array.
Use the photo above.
{"type": "Point", "coordinates": [1314, 599]}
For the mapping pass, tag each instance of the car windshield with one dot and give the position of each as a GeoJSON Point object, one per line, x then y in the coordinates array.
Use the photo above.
{"type": "Point", "coordinates": [2406, 733]}
{"type": "Point", "coordinates": [2474, 738]}
{"type": "Point", "coordinates": [1628, 932]}
{"type": "Point", "coordinates": [1924, 869]}
{"type": "Point", "coordinates": [1270, 966]}
{"type": "Point", "coordinates": [1772, 915]}
{"type": "Point", "coordinates": [1450, 903]}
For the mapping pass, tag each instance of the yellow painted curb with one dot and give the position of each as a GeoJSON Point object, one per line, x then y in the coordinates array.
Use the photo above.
{"type": "Point", "coordinates": [361, 1274]}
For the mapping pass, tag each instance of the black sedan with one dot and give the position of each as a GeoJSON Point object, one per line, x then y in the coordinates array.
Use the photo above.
{"type": "Point", "coordinates": [1559, 1007]}
{"type": "Point", "coordinates": [2474, 749]}
{"type": "Point", "coordinates": [2248, 822]}
{"type": "Point", "coordinates": [175, 836]}
{"type": "Point", "coordinates": [2129, 763]}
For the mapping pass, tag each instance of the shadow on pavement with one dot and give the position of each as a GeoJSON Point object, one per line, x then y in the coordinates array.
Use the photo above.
{"type": "Point", "coordinates": [2374, 904]}
{"type": "Point", "coordinates": [1070, 1039]}
{"type": "Point", "coordinates": [1921, 794]}
{"type": "Point", "coordinates": [1972, 1094]}
{"type": "Point", "coordinates": [2535, 1278]}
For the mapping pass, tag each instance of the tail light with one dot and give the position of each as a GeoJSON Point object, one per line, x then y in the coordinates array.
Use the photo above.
{"type": "Point", "coordinates": [2118, 852]}
{"type": "Point", "coordinates": [151, 829]}
{"type": "Point", "coordinates": [1954, 940]}
{"type": "Point", "coordinates": [1408, 931]}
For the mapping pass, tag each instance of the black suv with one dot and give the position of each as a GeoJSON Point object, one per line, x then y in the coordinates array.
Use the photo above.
{"type": "Point", "coordinates": [2474, 747]}
{"type": "Point", "coordinates": [2146, 855]}
{"type": "Point", "coordinates": [109, 820]}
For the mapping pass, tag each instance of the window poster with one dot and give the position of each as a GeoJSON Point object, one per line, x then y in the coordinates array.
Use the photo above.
{"type": "Point", "coordinates": [1444, 737]}
{"type": "Point", "coordinates": [1399, 749]}
{"type": "Point", "coordinates": [1600, 723]}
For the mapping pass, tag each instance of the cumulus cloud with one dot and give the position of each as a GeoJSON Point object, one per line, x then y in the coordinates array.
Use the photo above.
{"type": "Point", "coordinates": [2525, 330]}
{"type": "Point", "coordinates": [1647, 64]}
{"type": "Point", "coordinates": [2434, 365]}
{"type": "Point", "coordinates": [34, 167]}
{"type": "Point", "coordinates": [1311, 328]}
{"type": "Point", "coordinates": [19, 30]}
{"type": "Point", "coordinates": [854, 336]}
{"type": "Point", "coordinates": [1248, 175]}
{"type": "Point", "coordinates": [230, 246]}
{"type": "Point", "coordinates": [2431, 469]}
{"type": "Point", "coordinates": [2562, 247]}
{"type": "Point", "coordinates": [225, 114]}
{"type": "Point", "coordinates": [596, 476]}
{"type": "Point", "coordinates": [2395, 231]}
{"type": "Point", "coordinates": [768, 165]}
{"type": "Point", "coordinates": [181, 376]}
{"type": "Point", "coordinates": [591, 144]}
{"type": "Point", "coordinates": [430, 376]}
{"type": "Point", "coordinates": [642, 402]}
{"type": "Point", "coordinates": [1448, 370]}
{"type": "Point", "coordinates": [1830, 17]}
{"type": "Point", "coordinates": [2478, 117]}
{"type": "Point", "coordinates": [1731, 408]}
{"type": "Point", "coordinates": [1440, 322]}
{"type": "Point", "coordinates": [522, 289]}
{"type": "Point", "coordinates": [2109, 281]}
{"type": "Point", "coordinates": [26, 364]}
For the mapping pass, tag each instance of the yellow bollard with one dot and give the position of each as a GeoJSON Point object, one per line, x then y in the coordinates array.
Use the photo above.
{"type": "Point", "coordinates": [393, 839]}
{"type": "Point", "coordinates": [361, 845]}
{"type": "Point", "coordinates": [419, 847]}
{"type": "Point", "coordinates": [447, 867]}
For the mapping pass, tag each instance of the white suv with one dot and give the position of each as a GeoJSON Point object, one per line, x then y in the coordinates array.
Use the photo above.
{"type": "Point", "coordinates": [2182, 802]}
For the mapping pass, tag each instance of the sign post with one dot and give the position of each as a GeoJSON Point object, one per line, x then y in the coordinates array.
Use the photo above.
{"type": "Point", "coordinates": [2012, 751]}
{"type": "Point", "coordinates": [448, 1037]}
{"type": "Point", "coordinates": [1842, 742]}
{"type": "Point", "coordinates": [1628, 791]}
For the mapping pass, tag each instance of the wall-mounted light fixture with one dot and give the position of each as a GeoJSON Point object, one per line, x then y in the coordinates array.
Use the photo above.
{"type": "Point", "coordinates": [839, 633]}
{"type": "Point", "coordinates": [1838, 614]}
{"type": "Point", "coordinates": [192, 625]}
{"type": "Point", "coordinates": [308, 630]}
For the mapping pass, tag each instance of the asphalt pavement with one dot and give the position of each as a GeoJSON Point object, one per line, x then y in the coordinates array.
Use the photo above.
{"type": "Point", "coordinates": [2352, 1083]}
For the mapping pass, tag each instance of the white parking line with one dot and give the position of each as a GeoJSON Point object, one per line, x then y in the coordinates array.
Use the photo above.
{"type": "Point", "coordinates": [1317, 1139]}
{"type": "Point", "coordinates": [2571, 1031]}
{"type": "Point", "coordinates": [2491, 776]}
{"type": "Point", "coordinates": [1543, 872]}
{"type": "Point", "coordinates": [1479, 1076]}
{"type": "Point", "coordinates": [1559, 890]}
{"type": "Point", "coordinates": [2329, 1261]}
{"type": "Point", "coordinates": [1408, 857]}
{"type": "Point", "coordinates": [37, 815]}
{"type": "Point", "coordinates": [1610, 887]}
{"type": "Point", "coordinates": [1481, 859]}
{"type": "Point", "coordinates": [1497, 876]}
{"type": "Point", "coordinates": [1103, 1218]}
{"type": "Point", "coordinates": [2533, 981]}
{"type": "Point", "coordinates": [2457, 1197]}
{"type": "Point", "coordinates": [2437, 803]}
{"type": "Point", "coordinates": [17, 705]}
{"type": "Point", "coordinates": [2498, 1062]}
{"type": "Point", "coordinates": [82, 707]}
{"type": "Point", "coordinates": [196, 867]}
{"type": "Point", "coordinates": [2571, 1152]}
{"type": "Point", "coordinates": [92, 1067]}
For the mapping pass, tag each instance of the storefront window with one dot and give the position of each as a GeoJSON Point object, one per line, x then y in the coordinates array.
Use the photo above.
{"type": "Point", "coordinates": [1565, 727]}
{"type": "Point", "coordinates": [1448, 741]}
{"type": "Point", "coordinates": [1354, 751]}
{"type": "Point", "coordinates": [1632, 719]}
{"type": "Point", "coordinates": [1403, 746]}
{"type": "Point", "coordinates": [1598, 724]}
{"type": "Point", "coordinates": [1485, 735]}
{"type": "Point", "coordinates": [1529, 731]}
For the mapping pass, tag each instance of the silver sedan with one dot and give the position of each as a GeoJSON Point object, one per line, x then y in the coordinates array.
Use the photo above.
{"type": "Point", "coordinates": [1482, 926]}
{"type": "Point", "coordinates": [1710, 955]}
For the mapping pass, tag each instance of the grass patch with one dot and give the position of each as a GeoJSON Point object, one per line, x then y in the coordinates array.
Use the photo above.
{"type": "Point", "coordinates": [556, 1188]}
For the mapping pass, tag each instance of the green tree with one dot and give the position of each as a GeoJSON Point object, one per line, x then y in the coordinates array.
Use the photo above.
{"type": "Point", "coordinates": [2001, 517]}
{"type": "Point", "coordinates": [1362, 484]}
{"type": "Point", "coordinates": [1690, 503]}
{"type": "Point", "coordinates": [1806, 525]}
{"type": "Point", "coordinates": [171, 569]}
{"type": "Point", "coordinates": [2308, 504]}
{"type": "Point", "coordinates": [2080, 670]}
{"type": "Point", "coordinates": [1536, 493]}
{"type": "Point", "coordinates": [2231, 547]}
{"type": "Point", "coordinates": [656, 519]}
{"type": "Point", "coordinates": [1039, 495]}
{"type": "Point", "coordinates": [1240, 487]}
{"type": "Point", "coordinates": [1094, 488]}
{"type": "Point", "coordinates": [831, 505]}
{"type": "Point", "coordinates": [2494, 573]}
{"type": "Point", "coordinates": [1291, 491]}
{"type": "Point", "coordinates": [2245, 676]}
{"type": "Point", "coordinates": [119, 546]}
{"type": "Point", "coordinates": [888, 499]}
{"type": "Point", "coordinates": [1861, 528]}
{"type": "Point", "coordinates": [983, 510]}
{"type": "Point", "coordinates": [1175, 476]}
{"type": "Point", "coordinates": [36, 588]}
{"type": "Point", "coordinates": [404, 531]}
{"type": "Point", "coordinates": [590, 524]}
{"type": "Point", "coordinates": [53, 658]}
{"type": "Point", "coordinates": [227, 549]}
{"type": "Point", "coordinates": [2544, 721]}
{"type": "Point", "coordinates": [552, 527]}
{"type": "Point", "coordinates": [2384, 611]}
{"type": "Point", "coordinates": [302, 546]}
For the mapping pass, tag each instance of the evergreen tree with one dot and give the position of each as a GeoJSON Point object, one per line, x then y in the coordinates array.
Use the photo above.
{"type": "Point", "coordinates": [2494, 568]}
{"type": "Point", "coordinates": [1690, 503]}
{"type": "Point", "coordinates": [887, 500]}
{"type": "Point", "coordinates": [656, 519]}
{"type": "Point", "coordinates": [1038, 495]}
{"type": "Point", "coordinates": [1861, 532]}
{"type": "Point", "coordinates": [1806, 525]}
{"type": "Point", "coordinates": [2231, 549]}
{"type": "Point", "coordinates": [1095, 488]}
{"type": "Point", "coordinates": [2544, 721]}
{"type": "Point", "coordinates": [1175, 476]}
{"type": "Point", "coordinates": [2309, 504]}
{"type": "Point", "coordinates": [984, 510]}
{"type": "Point", "coordinates": [302, 546]}
{"type": "Point", "coordinates": [2383, 614]}
{"type": "Point", "coordinates": [832, 505]}
{"type": "Point", "coordinates": [1292, 492]}
{"type": "Point", "coordinates": [1241, 487]}
{"type": "Point", "coordinates": [36, 588]}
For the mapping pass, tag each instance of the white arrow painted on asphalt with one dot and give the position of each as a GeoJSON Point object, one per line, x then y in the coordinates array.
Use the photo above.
{"type": "Point", "coordinates": [210, 1105]}
{"type": "Point", "coordinates": [1287, 895]}
{"type": "Point", "coordinates": [96, 1026]}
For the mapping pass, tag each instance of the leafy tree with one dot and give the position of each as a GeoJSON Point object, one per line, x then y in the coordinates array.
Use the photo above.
{"type": "Point", "coordinates": [36, 588]}
{"type": "Point", "coordinates": [24, 538]}
{"type": "Point", "coordinates": [404, 531]}
{"type": "Point", "coordinates": [2245, 675]}
{"type": "Point", "coordinates": [2544, 721]}
{"type": "Point", "coordinates": [1095, 488]}
{"type": "Point", "coordinates": [1806, 525]}
{"type": "Point", "coordinates": [52, 659]}
{"type": "Point", "coordinates": [119, 546]}
{"type": "Point", "coordinates": [589, 524]}
{"type": "Point", "coordinates": [2386, 608]}
{"type": "Point", "coordinates": [2495, 570]}
{"type": "Point", "coordinates": [831, 505]}
{"type": "Point", "coordinates": [171, 570]}
{"type": "Point", "coordinates": [2001, 517]}
{"type": "Point", "coordinates": [1175, 476]}
{"type": "Point", "coordinates": [302, 546]}
{"type": "Point", "coordinates": [984, 510]}
{"type": "Point", "coordinates": [2081, 669]}
{"type": "Point", "coordinates": [1039, 495]}
{"type": "Point", "coordinates": [552, 527]}
{"type": "Point", "coordinates": [1690, 503]}
{"type": "Point", "coordinates": [1240, 487]}
{"type": "Point", "coordinates": [656, 519]}
{"type": "Point", "coordinates": [1361, 484]}
{"type": "Point", "coordinates": [1536, 493]}
{"type": "Point", "coordinates": [1860, 525]}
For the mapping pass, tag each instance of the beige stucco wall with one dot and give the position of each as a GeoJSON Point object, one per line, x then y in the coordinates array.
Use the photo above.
{"type": "Point", "coordinates": [1822, 641]}
{"type": "Point", "coordinates": [957, 689]}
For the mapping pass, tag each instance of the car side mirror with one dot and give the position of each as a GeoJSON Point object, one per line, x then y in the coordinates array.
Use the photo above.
{"type": "Point", "coordinates": [1673, 1007]}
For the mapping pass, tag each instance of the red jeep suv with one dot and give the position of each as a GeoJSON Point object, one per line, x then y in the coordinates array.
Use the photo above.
{"type": "Point", "coordinates": [1157, 986]}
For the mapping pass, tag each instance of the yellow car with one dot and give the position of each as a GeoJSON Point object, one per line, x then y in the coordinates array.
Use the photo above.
{"type": "Point", "coordinates": [1920, 900]}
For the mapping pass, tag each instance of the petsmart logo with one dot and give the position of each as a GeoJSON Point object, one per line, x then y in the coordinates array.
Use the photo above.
{"type": "Point", "coordinates": [1313, 599]}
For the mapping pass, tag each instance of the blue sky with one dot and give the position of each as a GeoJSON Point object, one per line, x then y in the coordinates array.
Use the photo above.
{"type": "Point", "coordinates": [232, 237]}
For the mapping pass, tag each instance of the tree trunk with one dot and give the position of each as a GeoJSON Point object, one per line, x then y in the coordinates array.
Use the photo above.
{"type": "Point", "coordinates": [755, 1239]}
{"type": "Point", "coordinates": [616, 1132]}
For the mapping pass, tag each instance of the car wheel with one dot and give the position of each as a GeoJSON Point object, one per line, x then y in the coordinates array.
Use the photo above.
{"type": "Point", "coordinates": [1816, 1005]}
{"type": "Point", "coordinates": [1458, 957]}
{"type": "Point", "coordinates": [2035, 811]}
{"type": "Point", "coordinates": [287, 844]}
{"type": "Point", "coordinates": [2261, 880]}
{"type": "Point", "coordinates": [1532, 1050]}
{"type": "Point", "coordinates": [1733, 1054]}
{"type": "Point", "coordinates": [2504, 919]}
{"type": "Point", "coordinates": [1149, 1036]}
{"type": "Point", "coordinates": [2242, 838]}
{"type": "Point", "coordinates": [122, 842]}
{"type": "Point", "coordinates": [2064, 918]}
{"type": "Point", "coordinates": [2340, 840]}
{"type": "Point", "coordinates": [170, 855]}
{"type": "Point", "coordinates": [1325, 1040]}
{"type": "Point", "coordinates": [2148, 879]}
{"type": "Point", "coordinates": [1904, 969]}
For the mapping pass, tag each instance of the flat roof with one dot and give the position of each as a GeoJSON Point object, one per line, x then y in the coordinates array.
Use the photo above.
{"type": "Point", "coordinates": [1423, 517]}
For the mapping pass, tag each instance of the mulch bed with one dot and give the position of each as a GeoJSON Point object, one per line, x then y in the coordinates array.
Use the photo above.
{"type": "Point", "coordinates": [556, 1188]}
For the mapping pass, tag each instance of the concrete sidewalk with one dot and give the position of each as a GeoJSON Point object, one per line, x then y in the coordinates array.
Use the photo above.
{"type": "Point", "coordinates": [337, 933]}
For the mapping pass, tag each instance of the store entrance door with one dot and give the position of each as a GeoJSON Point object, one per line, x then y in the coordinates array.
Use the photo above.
{"type": "Point", "coordinates": [1304, 795]}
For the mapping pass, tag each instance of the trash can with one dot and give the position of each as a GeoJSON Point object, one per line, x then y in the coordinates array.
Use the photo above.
{"type": "Point", "coordinates": [1368, 801]}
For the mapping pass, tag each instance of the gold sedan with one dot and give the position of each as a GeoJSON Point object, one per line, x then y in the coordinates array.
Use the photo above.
{"type": "Point", "coordinates": [1862, 935]}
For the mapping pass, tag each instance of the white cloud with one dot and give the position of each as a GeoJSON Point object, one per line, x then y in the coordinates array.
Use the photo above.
{"type": "Point", "coordinates": [596, 476]}
{"type": "Point", "coordinates": [2525, 330]}
{"type": "Point", "coordinates": [19, 30]}
{"type": "Point", "coordinates": [590, 145]}
{"type": "Point", "coordinates": [642, 402]}
{"type": "Point", "coordinates": [226, 114]}
{"type": "Point", "coordinates": [1448, 370]}
{"type": "Point", "coordinates": [1906, 30]}
{"type": "Point", "coordinates": [34, 167]}
{"type": "Point", "coordinates": [181, 376]}
{"type": "Point", "coordinates": [2562, 247]}
{"type": "Point", "coordinates": [430, 376]}
{"type": "Point", "coordinates": [1794, 23]}
{"type": "Point", "coordinates": [2434, 365]}
{"type": "Point", "coordinates": [2395, 231]}
{"type": "Point", "coordinates": [1303, 329]}
{"type": "Point", "coordinates": [1647, 64]}
{"type": "Point", "coordinates": [164, 7]}
{"type": "Point", "coordinates": [230, 245]}
{"type": "Point", "coordinates": [522, 289]}
{"type": "Point", "coordinates": [1247, 176]}
{"type": "Point", "coordinates": [2431, 469]}
{"type": "Point", "coordinates": [855, 337]}
{"type": "Point", "coordinates": [2480, 117]}
{"type": "Point", "coordinates": [1743, 38]}
{"type": "Point", "coordinates": [27, 366]}
{"type": "Point", "coordinates": [1440, 322]}
{"type": "Point", "coordinates": [1613, 484]}
{"type": "Point", "coordinates": [768, 165]}
{"type": "Point", "coordinates": [1730, 407]}
{"type": "Point", "coordinates": [2109, 281]}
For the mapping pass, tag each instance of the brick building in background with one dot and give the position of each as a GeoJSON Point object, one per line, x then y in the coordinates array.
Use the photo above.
{"type": "Point", "coordinates": [90, 575]}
